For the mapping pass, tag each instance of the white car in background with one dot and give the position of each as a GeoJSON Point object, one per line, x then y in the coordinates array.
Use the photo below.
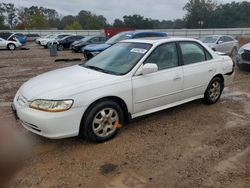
{"type": "Point", "coordinates": [130, 79]}
{"type": "Point", "coordinates": [38, 40]}
{"type": "Point", "coordinates": [53, 38]}
{"type": "Point", "coordinates": [221, 43]}
{"type": "Point", "coordinates": [9, 44]}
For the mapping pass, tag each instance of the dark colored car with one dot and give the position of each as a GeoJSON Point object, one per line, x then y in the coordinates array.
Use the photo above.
{"type": "Point", "coordinates": [92, 50]}
{"type": "Point", "coordinates": [5, 35]}
{"type": "Point", "coordinates": [243, 57]}
{"type": "Point", "coordinates": [32, 36]}
{"type": "Point", "coordinates": [65, 42]}
{"type": "Point", "coordinates": [78, 45]}
{"type": "Point", "coordinates": [8, 36]}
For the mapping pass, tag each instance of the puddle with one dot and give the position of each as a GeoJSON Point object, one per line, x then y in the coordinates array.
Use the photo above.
{"type": "Point", "coordinates": [237, 115]}
{"type": "Point", "coordinates": [237, 123]}
{"type": "Point", "coordinates": [128, 180]}
{"type": "Point", "coordinates": [236, 95]}
{"type": "Point", "coordinates": [20, 69]}
{"type": "Point", "coordinates": [247, 108]}
{"type": "Point", "coordinates": [231, 163]}
{"type": "Point", "coordinates": [238, 120]}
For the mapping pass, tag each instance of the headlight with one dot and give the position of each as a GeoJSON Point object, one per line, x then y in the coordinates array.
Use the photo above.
{"type": "Point", "coordinates": [241, 51]}
{"type": "Point", "coordinates": [51, 105]}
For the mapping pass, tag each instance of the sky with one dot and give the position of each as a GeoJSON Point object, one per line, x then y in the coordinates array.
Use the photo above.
{"type": "Point", "coordinates": [112, 9]}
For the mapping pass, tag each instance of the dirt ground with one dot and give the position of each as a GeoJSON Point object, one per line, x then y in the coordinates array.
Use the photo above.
{"type": "Point", "coordinates": [192, 145]}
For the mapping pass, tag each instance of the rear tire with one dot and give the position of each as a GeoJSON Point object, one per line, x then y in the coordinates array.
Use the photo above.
{"type": "Point", "coordinates": [11, 46]}
{"type": "Point", "coordinates": [214, 90]}
{"type": "Point", "coordinates": [234, 52]}
{"type": "Point", "coordinates": [102, 121]}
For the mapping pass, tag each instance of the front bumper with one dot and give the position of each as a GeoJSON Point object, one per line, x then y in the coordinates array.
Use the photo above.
{"type": "Point", "coordinates": [241, 63]}
{"type": "Point", "coordinates": [47, 124]}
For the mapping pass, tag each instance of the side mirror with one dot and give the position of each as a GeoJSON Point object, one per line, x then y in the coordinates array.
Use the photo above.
{"type": "Point", "coordinates": [149, 68]}
{"type": "Point", "coordinates": [220, 42]}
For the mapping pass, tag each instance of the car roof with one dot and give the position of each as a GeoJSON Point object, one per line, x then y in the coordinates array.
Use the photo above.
{"type": "Point", "coordinates": [142, 32]}
{"type": "Point", "coordinates": [211, 36]}
{"type": "Point", "coordinates": [159, 40]}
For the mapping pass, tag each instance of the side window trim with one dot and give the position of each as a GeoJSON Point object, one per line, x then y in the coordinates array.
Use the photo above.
{"type": "Point", "coordinates": [205, 51]}
{"type": "Point", "coordinates": [177, 51]}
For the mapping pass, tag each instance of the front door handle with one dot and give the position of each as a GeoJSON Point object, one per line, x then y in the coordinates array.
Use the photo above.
{"type": "Point", "coordinates": [177, 78]}
{"type": "Point", "coordinates": [210, 70]}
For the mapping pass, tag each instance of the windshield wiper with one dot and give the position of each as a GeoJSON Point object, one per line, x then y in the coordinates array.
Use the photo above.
{"type": "Point", "coordinates": [99, 69]}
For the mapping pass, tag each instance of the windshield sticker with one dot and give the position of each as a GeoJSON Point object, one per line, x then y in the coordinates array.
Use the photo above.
{"type": "Point", "coordinates": [138, 50]}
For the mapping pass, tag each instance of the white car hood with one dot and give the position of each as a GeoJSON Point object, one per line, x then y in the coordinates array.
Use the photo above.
{"type": "Point", "coordinates": [246, 46]}
{"type": "Point", "coordinates": [63, 83]}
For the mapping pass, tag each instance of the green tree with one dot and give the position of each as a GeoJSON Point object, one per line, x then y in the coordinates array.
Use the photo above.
{"type": "Point", "coordinates": [2, 25]}
{"type": "Point", "coordinates": [67, 20]}
{"type": "Point", "coordinates": [38, 21]}
{"type": "Point", "coordinates": [74, 26]}
{"type": "Point", "coordinates": [11, 14]}
{"type": "Point", "coordinates": [199, 12]}
{"type": "Point", "coordinates": [118, 23]}
{"type": "Point", "coordinates": [231, 15]}
{"type": "Point", "coordinates": [91, 21]}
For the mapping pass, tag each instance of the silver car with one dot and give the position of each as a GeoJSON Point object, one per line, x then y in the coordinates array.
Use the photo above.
{"type": "Point", "coordinates": [221, 43]}
{"type": "Point", "coordinates": [243, 57]}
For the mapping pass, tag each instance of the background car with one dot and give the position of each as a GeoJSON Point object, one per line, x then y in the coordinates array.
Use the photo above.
{"type": "Point", "coordinates": [78, 45]}
{"type": "Point", "coordinates": [9, 44]}
{"type": "Point", "coordinates": [53, 38]}
{"type": "Point", "coordinates": [32, 36]}
{"type": "Point", "coordinates": [38, 40]}
{"type": "Point", "coordinates": [243, 57]}
{"type": "Point", "coordinates": [92, 50]}
{"type": "Point", "coordinates": [65, 42]}
{"type": "Point", "coordinates": [221, 43]}
{"type": "Point", "coordinates": [14, 36]}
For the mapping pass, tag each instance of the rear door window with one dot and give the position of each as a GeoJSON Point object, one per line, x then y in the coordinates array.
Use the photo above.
{"type": "Point", "coordinates": [193, 53]}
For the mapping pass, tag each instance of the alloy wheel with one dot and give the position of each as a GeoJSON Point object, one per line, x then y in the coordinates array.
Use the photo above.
{"type": "Point", "coordinates": [214, 91]}
{"type": "Point", "coordinates": [104, 123]}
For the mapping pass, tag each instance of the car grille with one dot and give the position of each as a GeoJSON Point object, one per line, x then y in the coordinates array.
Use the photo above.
{"type": "Point", "coordinates": [246, 55]}
{"type": "Point", "coordinates": [22, 101]}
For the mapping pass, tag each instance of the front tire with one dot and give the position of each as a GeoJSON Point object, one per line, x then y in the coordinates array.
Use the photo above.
{"type": "Point", "coordinates": [214, 90]}
{"type": "Point", "coordinates": [60, 47]}
{"type": "Point", "coordinates": [11, 46]}
{"type": "Point", "coordinates": [102, 121]}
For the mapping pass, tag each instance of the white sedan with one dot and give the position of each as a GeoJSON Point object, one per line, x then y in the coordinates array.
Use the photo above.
{"type": "Point", "coordinates": [9, 44]}
{"type": "Point", "coordinates": [130, 79]}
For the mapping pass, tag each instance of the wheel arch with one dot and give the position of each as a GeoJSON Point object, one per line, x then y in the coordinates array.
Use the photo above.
{"type": "Point", "coordinates": [219, 76]}
{"type": "Point", "coordinates": [11, 43]}
{"type": "Point", "coordinates": [116, 99]}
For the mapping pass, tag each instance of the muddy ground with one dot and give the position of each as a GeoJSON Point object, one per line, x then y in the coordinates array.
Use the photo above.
{"type": "Point", "coordinates": [192, 145]}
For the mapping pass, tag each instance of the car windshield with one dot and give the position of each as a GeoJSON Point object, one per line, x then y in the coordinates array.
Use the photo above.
{"type": "Point", "coordinates": [85, 39]}
{"type": "Point", "coordinates": [62, 36]}
{"type": "Point", "coordinates": [117, 38]}
{"type": "Point", "coordinates": [209, 39]}
{"type": "Point", "coordinates": [119, 59]}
